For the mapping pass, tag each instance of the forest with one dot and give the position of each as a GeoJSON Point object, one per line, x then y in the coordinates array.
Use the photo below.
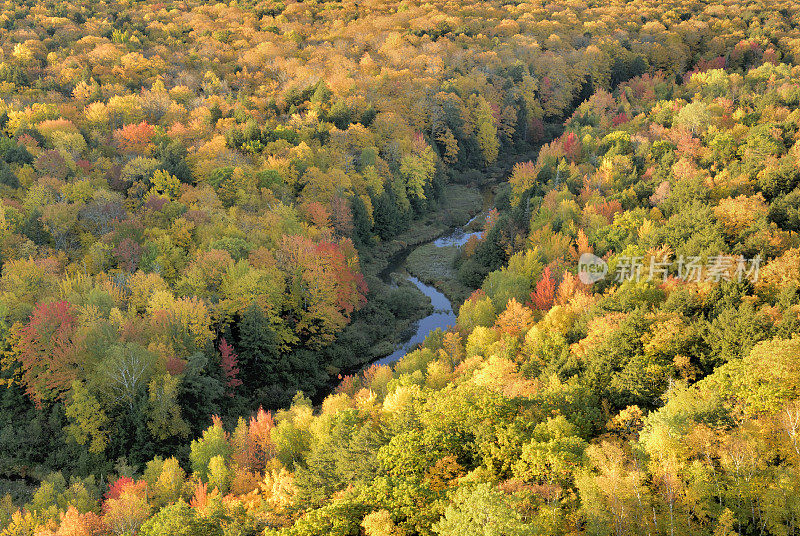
{"type": "Point", "coordinates": [198, 199]}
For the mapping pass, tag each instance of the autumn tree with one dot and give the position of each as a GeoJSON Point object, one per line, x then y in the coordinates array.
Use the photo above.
{"type": "Point", "coordinates": [135, 138]}
{"type": "Point", "coordinates": [212, 444]}
{"type": "Point", "coordinates": [88, 421]}
{"type": "Point", "coordinates": [126, 511]}
{"type": "Point", "coordinates": [48, 351]}
{"type": "Point", "coordinates": [544, 293]}
{"type": "Point", "coordinates": [481, 510]}
{"type": "Point", "coordinates": [486, 129]}
{"type": "Point", "coordinates": [229, 363]}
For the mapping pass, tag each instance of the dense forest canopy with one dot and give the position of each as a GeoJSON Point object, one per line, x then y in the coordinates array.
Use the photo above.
{"type": "Point", "coordinates": [196, 200]}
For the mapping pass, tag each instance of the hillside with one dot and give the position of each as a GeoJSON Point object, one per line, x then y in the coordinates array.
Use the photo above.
{"type": "Point", "coordinates": [197, 201]}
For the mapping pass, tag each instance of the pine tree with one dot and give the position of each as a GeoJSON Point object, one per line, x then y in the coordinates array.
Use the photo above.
{"type": "Point", "coordinates": [362, 227]}
{"type": "Point", "coordinates": [259, 356]}
{"type": "Point", "coordinates": [387, 216]}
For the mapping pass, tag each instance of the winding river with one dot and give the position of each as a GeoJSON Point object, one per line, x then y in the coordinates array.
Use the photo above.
{"type": "Point", "coordinates": [443, 315]}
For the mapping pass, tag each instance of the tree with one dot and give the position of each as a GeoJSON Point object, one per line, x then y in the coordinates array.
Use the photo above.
{"type": "Point", "coordinates": [259, 357]}
{"type": "Point", "coordinates": [389, 219]}
{"type": "Point", "coordinates": [214, 442]}
{"type": "Point", "coordinates": [135, 138]}
{"type": "Point", "coordinates": [252, 441]}
{"type": "Point", "coordinates": [119, 485]}
{"type": "Point", "coordinates": [486, 129]}
{"type": "Point", "coordinates": [325, 286]}
{"type": "Point", "coordinates": [179, 520]}
{"type": "Point", "coordinates": [165, 413]}
{"type": "Point", "coordinates": [48, 350]}
{"type": "Point", "coordinates": [481, 510]}
{"type": "Point", "coordinates": [766, 378]}
{"type": "Point", "coordinates": [779, 275]}
{"type": "Point", "coordinates": [516, 318]}
{"type": "Point", "coordinates": [75, 523]}
{"type": "Point", "coordinates": [544, 293]}
{"type": "Point", "coordinates": [219, 475]}
{"type": "Point", "coordinates": [478, 310]}
{"type": "Point", "coordinates": [449, 145]}
{"type": "Point", "coordinates": [553, 454]}
{"type": "Point", "coordinates": [125, 372]}
{"type": "Point", "coordinates": [165, 481]}
{"type": "Point", "coordinates": [52, 164]}
{"type": "Point", "coordinates": [229, 363]}
{"type": "Point", "coordinates": [572, 146]}
{"type": "Point", "coordinates": [165, 184]}
{"type": "Point", "coordinates": [60, 220]}
{"type": "Point", "coordinates": [291, 435]}
{"type": "Point", "coordinates": [614, 497]}
{"type": "Point", "coordinates": [88, 420]}
{"type": "Point", "coordinates": [173, 160]}
{"type": "Point", "coordinates": [205, 275]}
{"type": "Point", "coordinates": [739, 213]}
{"type": "Point", "coordinates": [379, 523]}
{"type": "Point", "coordinates": [341, 216]}
{"type": "Point", "coordinates": [418, 169]}
{"type": "Point", "coordinates": [127, 512]}
{"type": "Point", "coordinates": [128, 254]}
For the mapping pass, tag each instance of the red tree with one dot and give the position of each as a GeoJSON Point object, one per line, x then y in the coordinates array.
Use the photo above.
{"type": "Point", "coordinates": [260, 447]}
{"type": "Point", "coordinates": [543, 295]}
{"type": "Point", "coordinates": [341, 215]}
{"type": "Point", "coordinates": [135, 138]}
{"type": "Point", "coordinates": [47, 351]}
{"type": "Point", "coordinates": [571, 146]}
{"type": "Point", "coordinates": [230, 364]}
{"type": "Point", "coordinates": [620, 119]}
{"type": "Point", "coordinates": [119, 485]}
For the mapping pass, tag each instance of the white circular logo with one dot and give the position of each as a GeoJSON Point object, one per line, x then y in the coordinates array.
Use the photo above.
{"type": "Point", "coordinates": [591, 268]}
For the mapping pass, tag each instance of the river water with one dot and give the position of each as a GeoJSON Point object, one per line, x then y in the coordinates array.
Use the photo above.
{"type": "Point", "coordinates": [460, 236]}
{"type": "Point", "coordinates": [443, 315]}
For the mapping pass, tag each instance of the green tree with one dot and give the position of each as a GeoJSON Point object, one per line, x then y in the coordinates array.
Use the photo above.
{"type": "Point", "coordinates": [481, 510]}
{"type": "Point", "coordinates": [213, 443]}
{"type": "Point", "coordinates": [165, 413]}
{"type": "Point", "coordinates": [180, 519]}
{"type": "Point", "coordinates": [260, 362]}
{"type": "Point", "coordinates": [88, 420]}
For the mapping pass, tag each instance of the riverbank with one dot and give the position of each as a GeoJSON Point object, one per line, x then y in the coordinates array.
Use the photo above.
{"type": "Point", "coordinates": [441, 317]}
{"type": "Point", "coordinates": [459, 204]}
{"type": "Point", "coordinates": [425, 257]}
{"type": "Point", "coordinates": [434, 262]}
{"type": "Point", "coordinates": [399, 308]}
{"type": "Point", "coordinates": [434, 266]}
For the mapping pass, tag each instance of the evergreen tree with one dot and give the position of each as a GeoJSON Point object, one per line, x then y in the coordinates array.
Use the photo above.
{"type": "Point", "coordinates": [259, 356]}
{"type": "Point", "coordinates": [362, 228]}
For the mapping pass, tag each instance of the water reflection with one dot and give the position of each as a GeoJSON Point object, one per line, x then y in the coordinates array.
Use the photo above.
{"type": "Point", "coordinates": [442, 317]}
{"type": "Point", "coordinates": [457, 238]}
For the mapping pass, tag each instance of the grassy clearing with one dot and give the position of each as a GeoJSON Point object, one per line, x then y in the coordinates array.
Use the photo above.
{"type": "Point", "coordinates": [431, 264]}
{"type": "Point", "coordinates": [460, 204]}
{"type": "Point", "coordinates": [434, 266]}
